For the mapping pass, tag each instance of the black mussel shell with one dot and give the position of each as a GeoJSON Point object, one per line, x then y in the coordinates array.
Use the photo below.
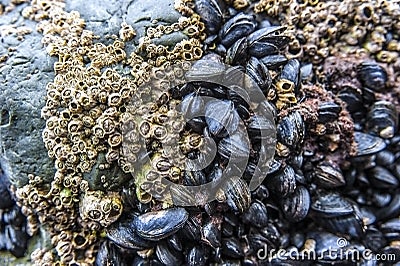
{"type": "Point", "coordinates": [297, 205]}
{"type": "Point", "coordinates": [210, 67]}
{"type": "Point", "coordinates": [5, 196]}
{"type": "Point", "coordinates": [291, 129]}
{"type": "Point", "coordinates": [211, 12]}
{"type": "Point", "coordinates": [257, 71]}
{"type": "Point", "coordinates": [328, 175]}
{"type": "Point", "coordinates": [260, 127]}
{"type": "Point", "coordinates": [237, 27]}
{"type": "Point", "coordinates": [123, 233]}
{"type": "Point", "coordinates": [211, 234]}
{"type": "Point", "coordinates": [196, 256]}
{"type": "Point", "coordinates": [191, 106]}
{"type": "Point", "coordinates": [256, 215]}
{"type": "Point", "coordinates": [236, 147]}
{"type": "Point", "coordinates": [221, 118]}
{"type": "Point", "coordinates": [328, 112]}
{"type": "Point", "coordinates": [372, 75]}
{"type": "Point", "coordinates": [237, 53]}
{"type": "Point", "coordinates": [382, 178]}
{"type": "Point", "coordinates": [232, 248]}
{"type": "Point", "coordinates": [274, 61]}
{"type": "Point", "coordinates": [368, 144]}
{"type": "Point", "coordinates": [291, 71]}
{"type": "Point", "coordinates": [15, 239]}
{"type": "Point", "coordinates": [283, 182]}
{"type": "Point", "coordinates": [168, 255]}
{"type": "Point", "coordinates": [353, 98]}
{"type": "Point", "coordinates": [157, 225]}
{"type": "Point", "coordinates": [267, 41]}
{"type": "Point", "coordinates": [237, 194]}
{"type": "Point", "coordinates": [108, 254]}
{"type": "Point", "coordinates": [382, 119]}
{"type": "Point", "coordinates": [332, 205]}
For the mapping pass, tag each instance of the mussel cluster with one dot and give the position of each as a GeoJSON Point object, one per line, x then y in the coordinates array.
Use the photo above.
{"type": "Point", "coordinates": [13, 236]}
{"type": "Point", "coordinates": [313, 198]}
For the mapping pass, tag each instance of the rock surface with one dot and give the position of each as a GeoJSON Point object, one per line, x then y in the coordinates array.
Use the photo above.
{"type": "Point", "coordinates": [23, 80]}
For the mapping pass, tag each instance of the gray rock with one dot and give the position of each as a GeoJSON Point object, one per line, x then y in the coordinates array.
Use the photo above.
{"type": "Point", "coordinates": [114, 176]}
{"type": "Point", "coordinates": [142, 14]}
{"type": "Point", "coordinates": [104, 18]}
{"type": "Point", "coordinates": [23, 79]}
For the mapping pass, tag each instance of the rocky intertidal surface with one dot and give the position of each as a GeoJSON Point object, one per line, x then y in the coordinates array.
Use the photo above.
{"type": "Point", "coordinates": [202, 132]}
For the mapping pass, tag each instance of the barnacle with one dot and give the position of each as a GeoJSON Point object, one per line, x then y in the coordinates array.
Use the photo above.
{"type": "Point", "coordinates": [100, 207]}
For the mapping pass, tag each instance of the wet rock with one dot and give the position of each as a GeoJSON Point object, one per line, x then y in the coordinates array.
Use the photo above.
{"type": "Point", "coordinates": [142, 14]}
{"type": "Point", "coordinates": [111, 178]}
{"type": "Point", "coordinates": [23, 80]}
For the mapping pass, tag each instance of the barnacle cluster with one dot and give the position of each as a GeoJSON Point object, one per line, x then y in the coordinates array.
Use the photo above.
{"type": "Point", "coordinates": [323, 28]}
{"type": "Point", "coordinates": [84, 110]}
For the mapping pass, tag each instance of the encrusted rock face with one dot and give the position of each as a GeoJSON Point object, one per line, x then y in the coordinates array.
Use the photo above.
{"type": "Point", "coordinates": [66, 115]}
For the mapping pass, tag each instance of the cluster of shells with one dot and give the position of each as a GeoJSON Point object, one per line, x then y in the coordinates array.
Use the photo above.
{"type": "Point", "coordinates": [335, 172]}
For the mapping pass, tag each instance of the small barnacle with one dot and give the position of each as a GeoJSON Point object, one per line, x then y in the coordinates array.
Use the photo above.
{"type": "Point", "coordinates": [59, 150]}
{"type": "Point", "coordinates": [126, 32]}
{"type": "Point", "coordinates": [59, 131]}
{"type": "Point", "coordinates": [66, 197]}
{"type": "Point", "coordinates": [98, 131]}
{"type": "Point", "coordinates": [159, 132]}
{"type": "Point", "coordinates": [110, 112]}
{"type": "Point", "coordinates": [74, 107]}
{"type": "Point", "coordinates": [91, 153]}
{"type": "Point", "coordinates": [143, 196]}
{"type": "Point", "coordinates": [191, 31]}
{"type": "Point", "coordinates": [119, 54]}
{"type": "Point", "coordinates": [95, 112]}
{"type": "Point", "coordinates": [74, 126]}
{"type": "Point", "coordinates": [53, 94]}
{"type": "Point", "coordinates": [64, 250]}
{"type": "Point", "coordinates": [112, 155]}
{"type": "Point", "coordinates": [76, 180]}
{"type": "Point", "coordinates": [114, 99]}
{"type": "Point", "coordinates": [175, 173]}
{"type": "Point", "coordinates": [387, 56]}
{"type": "Point", "coordinates": [84, 166]}
{"type": "Point", "coordinates": [85, 100]}
{"type": "Point", "coordinates": [108, 125]}
{"type": "Point", "coordinates": [126, 166]}
{"type": "Point", "coordinates": [88, 121]}
{"type": "Point", "coordinates": [50, 103]}
{"type": "Point", "coordinates": [74, 137]}
{"type": "Point", "coordinates": [47, 112]}
{"type": "Point", "coordinates": [52, 122]}
{"type": "Point", "coordinates": [72, 158]}
{"type": "Point", "coordinates": [240, 4]}
{"type": "Point", "coordinates": [115, 139]}
{"type": "Point", "coordinates": [187, 56]}
{"type": "Point", "coordinates": [282, 150]}
{"type": "Point", "coordinates": [100, 207]}
{"type": "Point", "coordinates": [56, 201]}
{"type": "Point", "coordinates": [60, 165]}
{"type": "Point", "coordinates": [145, 129]}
